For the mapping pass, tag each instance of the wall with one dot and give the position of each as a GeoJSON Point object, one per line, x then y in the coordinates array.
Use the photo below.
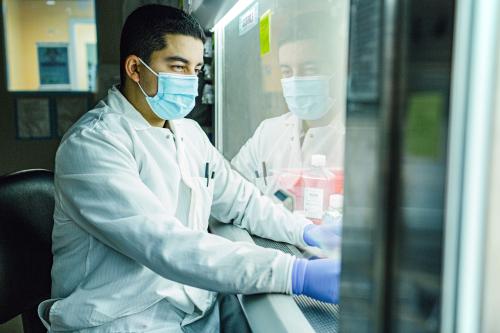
{"type": "Point", "coordinates": [86, 33]}
{"type": "Point", "coordinates": [16, 154]}
{"type": "Point", "coordinates": [37, 22]}
{"type": "Point", "coordinates": [12, 20]}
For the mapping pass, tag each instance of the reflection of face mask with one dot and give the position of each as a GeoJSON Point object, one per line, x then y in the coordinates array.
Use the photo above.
{"type": "Point", "coordinates": [307, 97]}
{"type": "Point", "coordinates": [175, 97]}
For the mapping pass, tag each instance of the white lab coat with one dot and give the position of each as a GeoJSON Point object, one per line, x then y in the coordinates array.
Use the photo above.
{"type": "Point", "coordinates": [277, 142]}
{"type": "Point", "coordinates": [130, 226]}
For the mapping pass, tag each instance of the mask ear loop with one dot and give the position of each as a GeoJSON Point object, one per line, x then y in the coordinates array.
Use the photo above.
{"type": "Point", "coordinates": [152, 71]}
{"type": "Point", "coordinates": [143, 92]}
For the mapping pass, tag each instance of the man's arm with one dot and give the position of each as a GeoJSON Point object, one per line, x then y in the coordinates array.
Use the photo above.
{"type": "Point", "coordinates": [246, 159]}
{"type": "Point", "coordinates": [240, 201]}
{"type": "Point", "coordinates": [99, 188]}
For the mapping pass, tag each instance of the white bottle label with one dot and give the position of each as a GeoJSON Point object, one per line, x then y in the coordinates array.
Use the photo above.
{"type": "Point", "coordinates": [313, 202]}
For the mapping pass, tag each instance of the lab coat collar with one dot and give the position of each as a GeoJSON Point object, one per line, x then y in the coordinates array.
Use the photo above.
{"type": "Point", "coordinates": [292, 120]}
{"type": "Point", "coordinates": [118, 102]}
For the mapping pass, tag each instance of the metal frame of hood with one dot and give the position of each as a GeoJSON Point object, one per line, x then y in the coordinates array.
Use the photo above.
{"type": "Point", "coordinates": [208, 12]}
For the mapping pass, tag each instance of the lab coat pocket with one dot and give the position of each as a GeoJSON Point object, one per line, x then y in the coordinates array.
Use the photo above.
{"type": "Point", "coordinates": [201, 202]}
{"type": "Point", "coordinates": [266, 186]}
{"type": "Point", "coordinates": [44, 310]}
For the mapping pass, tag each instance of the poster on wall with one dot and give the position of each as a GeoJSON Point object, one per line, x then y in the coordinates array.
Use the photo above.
{"type": "Point", "coordinates": [53, 66]}
{"type": "Point", "coordinates": [69, 109]}
{"type": "Point", "coordinates": [33, 118]}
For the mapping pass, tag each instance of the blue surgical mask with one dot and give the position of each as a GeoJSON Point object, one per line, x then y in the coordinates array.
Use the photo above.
{"type": "Point", "coordinates": [308, 97]}
{"type": "Point", "coordinates": [175, 97]}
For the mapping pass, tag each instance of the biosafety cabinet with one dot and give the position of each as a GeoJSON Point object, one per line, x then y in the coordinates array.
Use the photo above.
{"type": "Point", "coordinates": [411, 92]}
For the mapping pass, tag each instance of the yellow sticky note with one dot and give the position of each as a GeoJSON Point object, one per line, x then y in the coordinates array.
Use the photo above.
{"type": "Point", "coordinates": [265, 33]}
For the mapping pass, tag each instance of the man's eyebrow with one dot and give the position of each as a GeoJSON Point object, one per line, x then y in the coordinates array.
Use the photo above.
{"type": "Point", "coordinates": [177, 58]}
{"type": "Point", "coordinates": [310, 62]}
{"type": "Point", "coordinates": [181, 59]}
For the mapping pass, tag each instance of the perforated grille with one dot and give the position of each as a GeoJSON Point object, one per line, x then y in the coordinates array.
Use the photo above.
{"type": "Point", "coordinates": [323, 317]}
{"type": "Point", "coordinates": [271, 244]}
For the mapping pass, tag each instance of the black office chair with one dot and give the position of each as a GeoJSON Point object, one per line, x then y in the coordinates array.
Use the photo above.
{"type": "Point", "coordinates": [26, 209]}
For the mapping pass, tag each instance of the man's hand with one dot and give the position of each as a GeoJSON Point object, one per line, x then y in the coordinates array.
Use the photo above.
{"type": "Point", "coordinates": [318, 279]}
{"type": "Point", "coordinates": [324, 236]}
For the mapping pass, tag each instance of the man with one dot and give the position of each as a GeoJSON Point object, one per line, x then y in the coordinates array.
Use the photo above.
{"type": "Point", "coordinates": [135, 184]}
{"type": "Point", "coordinates": [312, 72]}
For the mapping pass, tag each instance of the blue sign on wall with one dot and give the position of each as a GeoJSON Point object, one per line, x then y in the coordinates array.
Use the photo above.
{"type": "Point", "coordinates": [53, 64]}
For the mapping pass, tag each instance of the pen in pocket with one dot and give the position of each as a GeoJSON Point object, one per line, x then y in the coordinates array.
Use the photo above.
{"type": "Point", "coordinates": [206, 172]}
{"type": "Point", "coordinates": [264, 172]}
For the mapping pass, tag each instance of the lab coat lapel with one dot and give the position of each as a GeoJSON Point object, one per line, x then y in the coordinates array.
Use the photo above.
{"type": "Point", "coordinates": [289, 141]}
{"type": "Point", "coordinates": [295, 160]}
{"type": "Point", "coordinates": [203, 299]}
{"type": "Point", "coordinates": [181, 155]}
{"type": "Point", "coordinates": [186, 175]}
{"type": "Point", "coordinates": [290, 165]}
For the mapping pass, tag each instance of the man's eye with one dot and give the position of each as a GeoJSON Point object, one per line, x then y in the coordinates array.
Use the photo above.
{"type": "Point", "coordinates": [310, 70]}
{"type": "Point", "coordinates": [286, 73]}
{"type": "Point", "coordinates": [178, 68]}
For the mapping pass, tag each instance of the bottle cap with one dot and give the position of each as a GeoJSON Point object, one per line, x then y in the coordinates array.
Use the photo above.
{"type": "Point", "coordinates": [318, 160]}
{"type": "Point", "coordinates": [336, 201]}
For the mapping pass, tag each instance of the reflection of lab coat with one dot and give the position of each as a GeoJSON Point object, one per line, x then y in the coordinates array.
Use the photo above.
{"type": "Point", "coordinates": [277, 142]}
{"type": "Point", "coordinates": [131, 216]}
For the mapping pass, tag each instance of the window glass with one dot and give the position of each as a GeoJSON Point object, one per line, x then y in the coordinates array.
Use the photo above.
{"type": "Point", "coordinates": [281, 84]}
{"type": "Point", "coordinates": [283, 126]}
{"type": "Point", "coordinates": [50, 45]}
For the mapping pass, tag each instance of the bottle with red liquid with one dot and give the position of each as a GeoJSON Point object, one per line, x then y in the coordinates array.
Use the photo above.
{"type": "Point", "coordinates": [319, 184]}
{"type": "Point", "coordinates": [291, 181]}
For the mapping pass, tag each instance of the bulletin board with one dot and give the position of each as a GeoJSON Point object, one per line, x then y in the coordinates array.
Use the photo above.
{"type": "Point", "coordinates": [48, 115]}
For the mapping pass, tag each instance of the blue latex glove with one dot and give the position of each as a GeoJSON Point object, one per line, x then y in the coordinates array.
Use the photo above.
{"type": "Point", "coordinates": [318, 279]}
{"type": "Point", "coordinates": [324, 236]}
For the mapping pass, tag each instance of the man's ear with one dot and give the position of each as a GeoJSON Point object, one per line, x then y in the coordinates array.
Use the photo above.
{"type": "Point", "coordinates": [132, 67]}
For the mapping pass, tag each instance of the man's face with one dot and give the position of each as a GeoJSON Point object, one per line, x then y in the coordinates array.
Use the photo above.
{"type": "Point", "coordinates": [182, 55]}
{"type": "Point", "coordinates": [302, 58]}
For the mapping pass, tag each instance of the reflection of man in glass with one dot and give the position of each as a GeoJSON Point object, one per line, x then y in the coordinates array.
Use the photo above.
{"type": "Point", "coordinates": [315, 121]}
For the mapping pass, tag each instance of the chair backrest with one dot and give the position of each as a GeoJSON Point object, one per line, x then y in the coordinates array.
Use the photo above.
{"type": "Point", "coordinates": [26, 221]}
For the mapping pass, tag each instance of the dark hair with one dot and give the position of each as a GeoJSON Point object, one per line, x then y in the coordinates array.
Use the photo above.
{"type": "Point", "coordinates": [145, 29]}
{"type": "Point", "coordinates": [309, 25]}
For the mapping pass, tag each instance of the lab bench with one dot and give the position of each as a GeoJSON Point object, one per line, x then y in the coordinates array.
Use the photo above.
{"type": "Point", "coordinates": [277, 312]}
